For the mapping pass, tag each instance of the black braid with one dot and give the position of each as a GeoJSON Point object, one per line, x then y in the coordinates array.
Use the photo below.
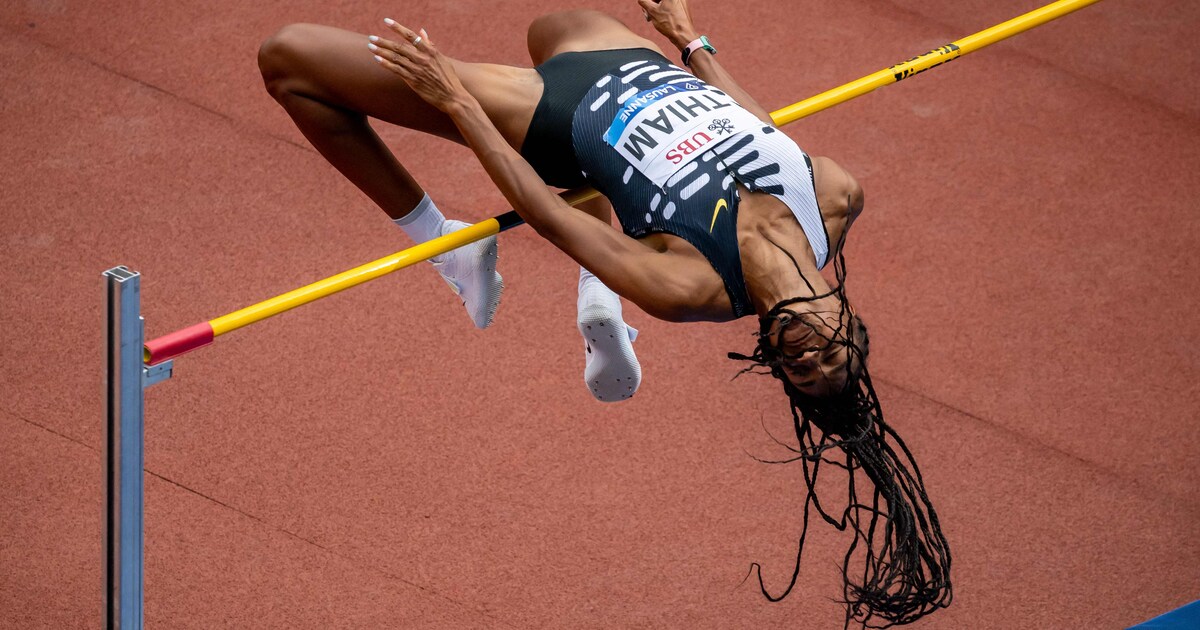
{"type": "Point", "coordinates": [898, 544]}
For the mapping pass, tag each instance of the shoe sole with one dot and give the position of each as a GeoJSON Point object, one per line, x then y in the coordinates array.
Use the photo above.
{"type": "Point", "coordinates": [614, 373]}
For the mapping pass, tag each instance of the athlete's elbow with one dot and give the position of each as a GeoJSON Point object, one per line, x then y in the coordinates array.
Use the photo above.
{"type": "Point", "coordinates": [547, 231]}
{"type": "Point", "coordinates": [674, 315]}
{"type": "Point", "coordinates": [672, 302]}
{"type": "Point", "coordinates": [545, 225]}
{"type": "Point", "coordinates": [528, 198]}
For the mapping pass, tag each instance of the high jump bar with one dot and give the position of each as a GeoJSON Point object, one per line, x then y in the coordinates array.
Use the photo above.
{"type": "Point", "coordinates": [199, 335]}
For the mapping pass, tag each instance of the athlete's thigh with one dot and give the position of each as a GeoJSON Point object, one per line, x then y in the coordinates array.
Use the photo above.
{"type": "Point", "coordinates": [335, 67]}
{"type": "Point", "coordinates": [580, 30]}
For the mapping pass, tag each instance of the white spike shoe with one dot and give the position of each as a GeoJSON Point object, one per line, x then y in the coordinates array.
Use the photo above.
{"type": "Point", "coordinates": [612, 372]}
{"type": "Point", "coordinates": [471, 273]}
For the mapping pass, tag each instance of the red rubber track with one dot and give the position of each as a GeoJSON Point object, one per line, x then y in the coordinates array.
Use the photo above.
{"type": "Point", "coordinates": [1027, 264]}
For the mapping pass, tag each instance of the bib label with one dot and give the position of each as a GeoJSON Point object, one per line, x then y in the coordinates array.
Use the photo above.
{"type": "Point", "coordinates": [663, 129]}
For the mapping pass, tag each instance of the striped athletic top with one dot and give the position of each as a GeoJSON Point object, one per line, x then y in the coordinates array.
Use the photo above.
{"type": "Point", "coordinates": [666, 149]}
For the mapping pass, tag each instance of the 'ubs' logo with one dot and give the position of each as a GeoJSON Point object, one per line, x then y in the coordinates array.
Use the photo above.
{"type": "Point", "coordinates": [688, 147]}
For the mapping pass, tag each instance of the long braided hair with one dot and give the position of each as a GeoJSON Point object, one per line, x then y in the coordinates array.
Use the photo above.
{"type": "Point", "coordinates": [897, 568]}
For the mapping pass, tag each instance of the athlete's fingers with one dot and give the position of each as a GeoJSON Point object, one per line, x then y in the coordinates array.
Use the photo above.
{"type": "Point", "coordinates": [394, 57]}
{"type": "Point", "coordinates": [397, 68]}
{"type": "Point", "coordinates": [425, 44]}
{"type": "Point", "coordinates": [665, 7]}
{"type": "Point", "coordinates": [653, 9]}
{"type": "Point", "coordinates": [421, 45]}
{"type": "Point", "coordinates": [412, 44]}
{"type": "Point", "coordinates": [405, 54]}
{"type": "Point", "coordinates": [403, 30]}
{"type": "Point", "coordinates": [391, 50]}
{"type": "Point", "coordinates": [416, 60]}
{"type": "Point", "coordinates": [645, 13]}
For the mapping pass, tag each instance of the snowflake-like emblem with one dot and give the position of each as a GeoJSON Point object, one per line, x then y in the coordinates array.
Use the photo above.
{"type": "Point", "coordinates": [721, 125]}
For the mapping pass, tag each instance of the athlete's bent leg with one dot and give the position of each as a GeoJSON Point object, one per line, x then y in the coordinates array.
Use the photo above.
{"type": "Point", "coordinates": [327, 81]}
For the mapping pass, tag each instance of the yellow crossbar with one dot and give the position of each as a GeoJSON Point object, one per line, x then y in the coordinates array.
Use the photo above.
{"type": "Point", "coordinates": [181, 341]}
{"type": "Point", "coordinates": [921, 63]}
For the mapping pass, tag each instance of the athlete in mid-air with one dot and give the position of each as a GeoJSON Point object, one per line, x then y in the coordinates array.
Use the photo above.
{"type": "Point", "coordinates": [722, 215]}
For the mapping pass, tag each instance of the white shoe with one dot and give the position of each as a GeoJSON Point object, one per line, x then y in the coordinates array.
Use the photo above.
{"type": "Point", "coordinates": [471, 272]}
{"type": "Point", "coordinates": [612, 372]}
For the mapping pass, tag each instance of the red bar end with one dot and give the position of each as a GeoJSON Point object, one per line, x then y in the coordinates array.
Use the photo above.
{"type": "Point", "coordinates": [170, 346]}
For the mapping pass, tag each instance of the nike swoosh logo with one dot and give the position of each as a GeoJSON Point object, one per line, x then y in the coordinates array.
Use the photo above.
{"type": "Point", "coordinates": [720, 205]}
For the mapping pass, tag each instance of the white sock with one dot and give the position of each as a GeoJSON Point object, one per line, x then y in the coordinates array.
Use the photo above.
{"type": "Point", "coordinates": [470, 270]}
{"type": "Point", "coordinates": [424, 223]}
{"type": "Point", "coordinates": [593, 291]}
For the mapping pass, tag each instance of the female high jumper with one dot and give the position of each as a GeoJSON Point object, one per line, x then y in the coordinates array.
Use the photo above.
{"type": "Point", "coordinates": [722, 216]}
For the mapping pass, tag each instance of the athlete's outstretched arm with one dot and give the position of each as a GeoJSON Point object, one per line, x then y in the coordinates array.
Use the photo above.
{"type": "Point", "coordinates": [665, 286]}
{"type": "Point", "coordinates": [673, 19]}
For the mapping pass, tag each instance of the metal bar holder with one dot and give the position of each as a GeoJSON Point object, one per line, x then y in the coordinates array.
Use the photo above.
{"type": "Point", "coordinates": [128, 377]}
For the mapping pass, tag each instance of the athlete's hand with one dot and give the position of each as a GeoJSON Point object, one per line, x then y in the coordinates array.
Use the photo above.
{"type": "Point", "coordinates": [426, 70]}
{"type": "Point", "coordinates": [672, 19]}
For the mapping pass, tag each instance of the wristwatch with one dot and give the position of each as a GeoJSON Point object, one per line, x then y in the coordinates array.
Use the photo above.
{"type": "Point", "coordinates": [697, 44]}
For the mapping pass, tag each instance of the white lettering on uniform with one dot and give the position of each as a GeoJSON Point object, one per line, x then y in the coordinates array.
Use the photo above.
{"type": "Point", "coordinates": [662, 130]}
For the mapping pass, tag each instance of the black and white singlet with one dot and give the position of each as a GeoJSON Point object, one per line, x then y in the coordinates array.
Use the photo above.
{"type": "Point", "coordinates": [666, 148]}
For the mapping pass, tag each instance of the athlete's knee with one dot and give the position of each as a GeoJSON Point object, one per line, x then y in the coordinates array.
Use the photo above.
{"type": "Point", "coordinates": [281, 57]}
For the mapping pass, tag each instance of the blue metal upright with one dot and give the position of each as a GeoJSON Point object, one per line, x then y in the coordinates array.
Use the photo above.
{"type": "Point", "coordinates": [127, 378]}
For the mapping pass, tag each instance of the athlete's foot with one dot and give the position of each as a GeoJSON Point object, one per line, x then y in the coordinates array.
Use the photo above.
{"type": "Point", "coordinates": [612, 372]}
{"type": "Point", "coordinates": [471, 272]}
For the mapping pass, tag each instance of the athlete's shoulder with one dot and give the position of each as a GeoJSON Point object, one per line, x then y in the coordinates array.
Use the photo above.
{"type": "Point", "coordinates": [838, 192]}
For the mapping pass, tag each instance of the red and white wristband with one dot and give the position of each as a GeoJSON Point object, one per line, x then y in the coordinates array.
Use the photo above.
{"type": "Point", "coordinates": [697, 44]}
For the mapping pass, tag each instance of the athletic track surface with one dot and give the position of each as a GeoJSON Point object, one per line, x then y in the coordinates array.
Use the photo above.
{"type": "Point", "coordinates": [1027, 264]}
